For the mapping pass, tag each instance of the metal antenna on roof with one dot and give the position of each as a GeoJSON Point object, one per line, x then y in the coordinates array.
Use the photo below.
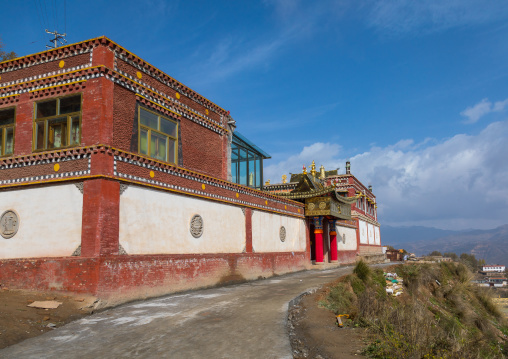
{"type": "Point", "coordinates": [58, 38]}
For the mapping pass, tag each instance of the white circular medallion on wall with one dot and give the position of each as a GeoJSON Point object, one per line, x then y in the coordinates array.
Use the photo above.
{"type": "Point", "coordinates": [282, 233]}
{"type": "Point", "coordinates": [9, 224]}
{"type": "Point", "coordinates": [196, 226]}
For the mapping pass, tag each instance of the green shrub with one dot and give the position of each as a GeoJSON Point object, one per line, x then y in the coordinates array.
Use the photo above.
{"type": "Point", "coordinates": [362, 270]}
{"type": "Point", "coordinates": [356, 283]}
{"type": "Point", "coordinates": [340, 299]}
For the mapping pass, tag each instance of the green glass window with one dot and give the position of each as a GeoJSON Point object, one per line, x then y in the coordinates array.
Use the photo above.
{"type": "Point", "coordinates": [158, 136]}
{"type": "Point", "coordinates": [246, 162]}
{"type": "Point", "coordinates": [57, 123]}
{"type": "Point", "coordinates": [7, 121]}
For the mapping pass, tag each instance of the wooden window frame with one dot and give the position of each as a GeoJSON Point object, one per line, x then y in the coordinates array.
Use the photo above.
{"type": "Point", "coordinates": [3, 130]}
{"type": "Point", "coordinates": [45, 120]}
{"type": "Point", "coordinates": [158, 132]}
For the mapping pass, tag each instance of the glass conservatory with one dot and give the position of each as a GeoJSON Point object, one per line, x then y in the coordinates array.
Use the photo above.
{"type": "Point", "coordinates": [247, 162]}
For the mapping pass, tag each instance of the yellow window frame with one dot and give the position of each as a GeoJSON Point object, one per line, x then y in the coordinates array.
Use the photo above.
{"type": "Point", "coordinates": [47, 119]}
{"type": "Point", "coordinates": [3, 132]}
{"type": "Point", "coordinates": [157, 131]}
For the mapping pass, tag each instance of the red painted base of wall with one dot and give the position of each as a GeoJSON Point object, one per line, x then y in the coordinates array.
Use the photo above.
{"type": "Point", "coordinates": [118, 279]}
{"type": "Point", "coordinates": [346, 257]}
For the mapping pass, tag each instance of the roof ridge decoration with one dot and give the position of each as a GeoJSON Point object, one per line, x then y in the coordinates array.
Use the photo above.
{"type": "Point", "coordinates": [100, 148]}
{"type": "Point", "coordinates": [87, 45]}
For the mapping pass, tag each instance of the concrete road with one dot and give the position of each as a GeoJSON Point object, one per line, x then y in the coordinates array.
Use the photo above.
{"type": "Point", "coordinates": [239, 321]}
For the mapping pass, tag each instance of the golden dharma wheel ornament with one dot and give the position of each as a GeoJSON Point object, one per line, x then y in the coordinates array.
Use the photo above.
{"type": "Point", "coordinates": [139, 75]}
{"type": "Point", "coordinates": [61, 64]}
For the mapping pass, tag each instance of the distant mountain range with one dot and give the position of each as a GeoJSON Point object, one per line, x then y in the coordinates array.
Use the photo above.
{"type": "Point", "coordinates": [491, 244]}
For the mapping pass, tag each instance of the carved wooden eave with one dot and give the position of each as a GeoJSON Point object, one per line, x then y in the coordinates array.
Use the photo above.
{"type": "Point", "coordinates": [328, 206]}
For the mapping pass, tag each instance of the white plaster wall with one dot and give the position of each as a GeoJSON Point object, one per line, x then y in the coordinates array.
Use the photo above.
{"type": "Point", "coordinates": [156, 222]}
{"type": "Point", "coordinates": [50, 221]}
{"type": "Point", "coordinates": [363, 232]}
{"type": "Point", "coordinates": [350, 234]}
{"type": "Point", "coordinates": [377, 235]}
{"type": "Point", "coordinates": [266, 229]}
{"type": "Point", "coordinates": [370, 231]}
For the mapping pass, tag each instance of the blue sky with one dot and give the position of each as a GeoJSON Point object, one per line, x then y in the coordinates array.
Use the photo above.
{"type": "Point", "coordinates": [414, 93]}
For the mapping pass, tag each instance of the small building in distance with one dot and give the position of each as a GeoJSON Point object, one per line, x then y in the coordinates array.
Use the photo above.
{"type": "Point", "coordinates": [394, 255]}
{"type": "Point", "coordinates": [493, 268]}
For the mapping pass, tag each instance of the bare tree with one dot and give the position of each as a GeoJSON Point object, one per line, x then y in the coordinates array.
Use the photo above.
{"type": "Point", "coordinates": [6, 55]}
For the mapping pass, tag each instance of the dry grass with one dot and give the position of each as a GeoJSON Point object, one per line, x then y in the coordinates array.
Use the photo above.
{"type": "Point", "coordinates": [440, 315]}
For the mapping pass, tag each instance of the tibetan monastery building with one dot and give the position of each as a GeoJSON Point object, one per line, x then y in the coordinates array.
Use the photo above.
{"type": "Point", "coordinates": [341, 214]}
{"type": "Point", "coordinates": [118, 181]}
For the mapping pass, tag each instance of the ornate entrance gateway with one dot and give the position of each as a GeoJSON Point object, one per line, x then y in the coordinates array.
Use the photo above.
{"type": "Point", "coordinates": [325, 209]}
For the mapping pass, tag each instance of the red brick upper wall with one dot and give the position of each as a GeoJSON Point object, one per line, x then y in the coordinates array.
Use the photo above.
{"type": "Point", "coordinates": [46, 68]}
{"type": "Point", "coordinates": [76, 54]}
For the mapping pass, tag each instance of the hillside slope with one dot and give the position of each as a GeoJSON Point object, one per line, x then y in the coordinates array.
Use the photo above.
{"type": "Point", "coordinates": [491, 245]}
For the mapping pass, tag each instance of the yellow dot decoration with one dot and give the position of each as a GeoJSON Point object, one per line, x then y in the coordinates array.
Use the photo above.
{"type": "Point", "coordinates": [152, 174]}
{"type": "Point", "coordinates": [177, 95]}
{"type": "Point", "coordinates": [56, 167]}
{"type": "Point", "coordinates": [237, 195]}
{"type": "Point", "coordinates": [61, 64]}
{"type": "Point", "coordinates": [0, 77]}
{"type": "Point", "coordinates": [203, 186]}
{"type": "Point", "coordinates": [266, 202]}
{"type": "Point", "coordinates": [285, 207]}
{"type": "Point", "coordinates": [207, 112]}
{"type": "Point", "coordinates": [298, 210]}
{"type": "Point", "coordinates": [139, 75]}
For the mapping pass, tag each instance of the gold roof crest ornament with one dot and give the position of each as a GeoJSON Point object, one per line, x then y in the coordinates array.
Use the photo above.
{"type": "Point", "coordinates": [313, 169]}
{"type": "Point", "coordinates": [267, 183]}
{"type": "Point", "coordinates": [322, 172]}
{"type": "Point", "coordinates": [284, 178]}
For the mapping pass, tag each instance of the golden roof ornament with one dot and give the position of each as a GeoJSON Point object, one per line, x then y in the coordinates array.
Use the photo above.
{"type": "Point", "coordinates": [267, 183]}
{"type": "Point", "coordinates": [322, 172]}
{"type": "Point", "coordinates": [284, 178]}
{"type": "Point", "coordinates": [313, 169]}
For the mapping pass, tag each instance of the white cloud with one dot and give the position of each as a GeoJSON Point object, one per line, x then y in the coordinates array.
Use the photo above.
{"type": "Point", "coordinates": [477, 111]}
{"type": "Point", "coordinates": [460, 182]}
{"type": "Point", "coordinates": [483, 108]}
{"type": "Point", "coordinates": [432, 15]}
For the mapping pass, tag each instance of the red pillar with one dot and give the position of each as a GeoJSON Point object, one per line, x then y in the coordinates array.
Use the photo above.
{"type": "Point", "coordinates": [318, 236]}
{"type": "Point", "coordinates": [333, 243]}
{"type": "Point", "coordinates": [319, 246]}
{"type": "Point", "coordinates": [248, 230]}
{"type": "Point", "coordinates": [101, 222]}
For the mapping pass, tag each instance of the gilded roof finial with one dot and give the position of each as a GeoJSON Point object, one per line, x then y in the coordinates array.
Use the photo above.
{"type": "Point", "coordinates": [322, 172]}
{"type": "Point", "coordinates": [313, 169]}
{"type": "Point", "coordinates": [304, 170]}
{"type": "Point", "coordinates": [267, 183]}
{"type": "Point", "coordinates": [284, 178]}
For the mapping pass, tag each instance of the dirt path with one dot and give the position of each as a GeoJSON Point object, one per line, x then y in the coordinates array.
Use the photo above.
{"type": "Point", "coordinates": [239, 321]}
{"type": "Point", "coordinates": [19, 322]}
{"type": "Point", "coordinates": [314, 333]}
